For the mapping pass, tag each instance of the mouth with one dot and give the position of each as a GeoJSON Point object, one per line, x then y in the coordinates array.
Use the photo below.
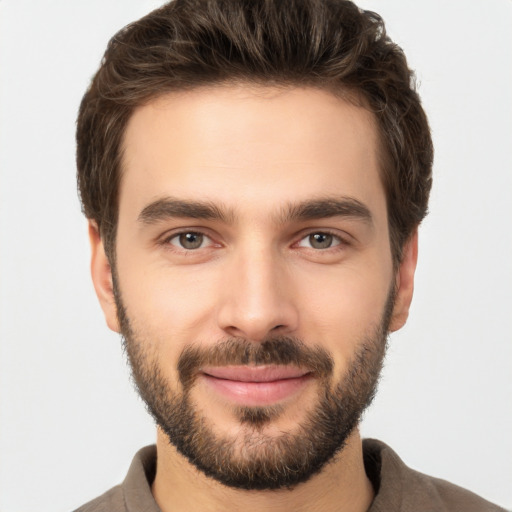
{"type": "Point", "coordinates": [256, 385]}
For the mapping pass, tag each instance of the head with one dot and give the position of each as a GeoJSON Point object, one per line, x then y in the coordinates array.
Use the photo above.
{"type": "Point", "coordinates": [188, 44]}
{"type": "Point", "coordinates": [254, 196]}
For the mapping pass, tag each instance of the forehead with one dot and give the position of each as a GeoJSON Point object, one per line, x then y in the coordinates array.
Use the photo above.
{"type": "Point", "coordinates": [249, 147]}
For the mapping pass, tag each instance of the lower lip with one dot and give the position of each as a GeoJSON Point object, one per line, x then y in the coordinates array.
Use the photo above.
{"type": "Point", "coordinates": [257, 393]}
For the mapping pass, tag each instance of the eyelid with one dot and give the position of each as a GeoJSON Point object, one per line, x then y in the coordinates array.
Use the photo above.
{"type": "Point", "coordinates": [336, 241]}
{"type": "Point", "coordinates": [343, 239]}
{"type": "Point", "coordinates": [166, 238]}
{"type": "Point", "coordinates": [205, 241]}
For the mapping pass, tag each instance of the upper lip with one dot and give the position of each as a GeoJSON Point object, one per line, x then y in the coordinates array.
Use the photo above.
{"type": "Point", "coordinates": [255, 373]}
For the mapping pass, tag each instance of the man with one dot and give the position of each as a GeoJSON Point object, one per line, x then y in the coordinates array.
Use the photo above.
{"type": "Point", "coordinates": [254, 174]}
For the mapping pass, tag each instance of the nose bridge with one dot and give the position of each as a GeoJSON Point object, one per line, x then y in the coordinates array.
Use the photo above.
{"type": "Point", "coordinates": [257, 298]}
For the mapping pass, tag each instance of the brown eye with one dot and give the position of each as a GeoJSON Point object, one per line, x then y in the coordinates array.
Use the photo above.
{"type": "Point", "coordinates": [189, 241]}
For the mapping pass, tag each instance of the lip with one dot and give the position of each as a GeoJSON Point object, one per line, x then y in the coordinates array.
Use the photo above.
{"type": "Point", "coordinates": [255, 385]}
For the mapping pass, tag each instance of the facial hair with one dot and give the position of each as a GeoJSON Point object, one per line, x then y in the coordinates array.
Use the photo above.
{"type": "Point", "coordinates": [258, 460]}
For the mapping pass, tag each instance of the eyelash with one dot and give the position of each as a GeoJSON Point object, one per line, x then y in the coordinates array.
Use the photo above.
{"type": "Point", "coordinates": [167, 241]}
{"type": "Point", "coordinates": [341, 244]}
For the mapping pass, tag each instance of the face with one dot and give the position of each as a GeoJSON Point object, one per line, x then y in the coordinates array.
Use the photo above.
{"type": "Point", "coordinates": [253, 282]}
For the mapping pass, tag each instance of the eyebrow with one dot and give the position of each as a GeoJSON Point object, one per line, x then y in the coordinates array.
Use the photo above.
{"type": "Point", "coordinates": [168, 207]}
{"type": "Point", "coordinates": [325, 208]}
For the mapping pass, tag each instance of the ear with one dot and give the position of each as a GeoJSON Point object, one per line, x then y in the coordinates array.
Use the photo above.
{"type": "Point", "coordinates": [102, 277]}
{"type": "Point", "coordinates": [404, 280]}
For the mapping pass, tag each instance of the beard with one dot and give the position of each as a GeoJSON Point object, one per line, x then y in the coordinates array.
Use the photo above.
{"type": "Point", "coordinates": [254, 459]}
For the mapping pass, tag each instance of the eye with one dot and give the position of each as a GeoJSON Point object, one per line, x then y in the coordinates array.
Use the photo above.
{"type": "Point", "coordinates": [320, 240]}
{"type": "Point", "coordinates": [189, 240]}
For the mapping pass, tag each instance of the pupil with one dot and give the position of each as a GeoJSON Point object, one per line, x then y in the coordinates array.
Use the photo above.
{"type": "Point", "coordinates": [191, 240]}
{"type": "Point", "coordinates": [320, 240]}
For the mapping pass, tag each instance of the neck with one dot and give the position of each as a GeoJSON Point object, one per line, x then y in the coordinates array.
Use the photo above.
{"type": "Point", "coordinates": [341, 485]}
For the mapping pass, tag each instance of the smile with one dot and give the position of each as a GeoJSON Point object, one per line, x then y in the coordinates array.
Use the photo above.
{"type": "Point", "coordinates": [256, 385]}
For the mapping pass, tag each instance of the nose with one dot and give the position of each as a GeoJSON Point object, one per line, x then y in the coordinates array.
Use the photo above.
{"type": "Point", "coordinates": [258, 297]}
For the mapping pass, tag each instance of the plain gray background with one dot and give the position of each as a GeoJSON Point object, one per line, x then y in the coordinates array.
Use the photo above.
{"type": "Point", "coordinates": [69, 420]}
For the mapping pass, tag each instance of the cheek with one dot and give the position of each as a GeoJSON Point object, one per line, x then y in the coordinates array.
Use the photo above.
{"type": "Point", "coordinates": [343, 308]}
{"type": "Point", "coordinates": [169, 308]}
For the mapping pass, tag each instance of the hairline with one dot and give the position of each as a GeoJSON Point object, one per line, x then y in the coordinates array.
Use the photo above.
{"type": "Point", "coordinates": [339, 90]}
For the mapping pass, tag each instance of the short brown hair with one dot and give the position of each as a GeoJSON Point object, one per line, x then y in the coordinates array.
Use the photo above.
{"type": "Point", "coordinates": [328, 44]}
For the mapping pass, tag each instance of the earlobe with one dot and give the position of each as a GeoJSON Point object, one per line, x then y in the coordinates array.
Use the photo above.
{"type": "Point", "coordinates": [405, 283]}
{"type": "Point", "coordinates": [101, 273]}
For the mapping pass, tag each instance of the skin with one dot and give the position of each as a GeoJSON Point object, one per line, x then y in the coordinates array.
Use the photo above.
{"type": "Point", "coordinates": [253, 151]}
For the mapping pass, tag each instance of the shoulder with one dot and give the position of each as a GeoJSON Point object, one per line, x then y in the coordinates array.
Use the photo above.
{"type": "Point", "coordinates": [401, 488]}
{"type": "Point", "coordinates": [452, 497]}
{"type": "Point", "coordinates": [134, 494]}
{"type": "Point", "coordinates": [111, 501]}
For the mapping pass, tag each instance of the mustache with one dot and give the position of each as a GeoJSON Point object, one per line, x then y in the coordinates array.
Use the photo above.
{"type": "Point", "coordinates": [283, 350]}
